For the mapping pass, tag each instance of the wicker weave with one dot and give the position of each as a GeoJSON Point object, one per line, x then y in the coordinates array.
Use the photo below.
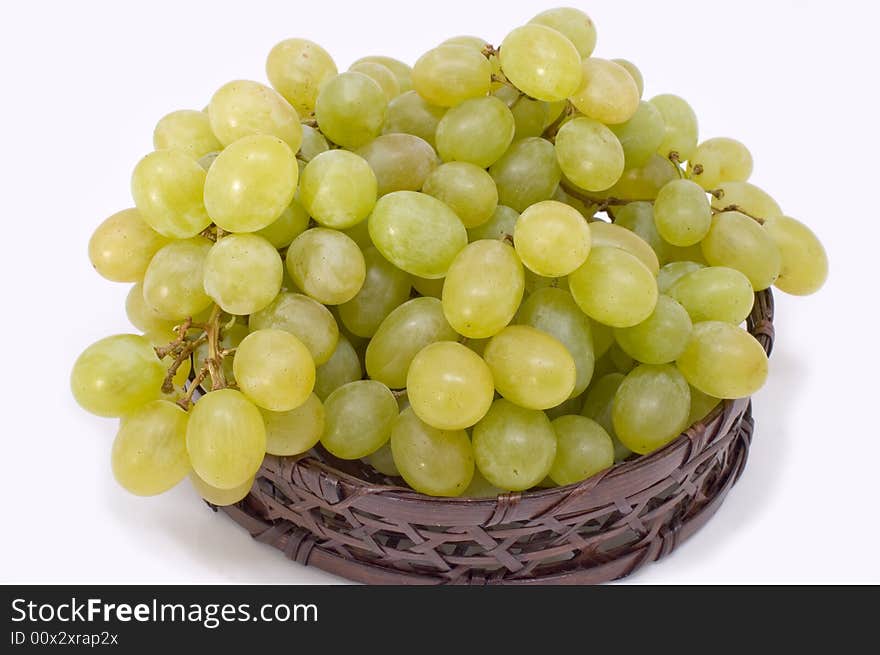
{"type": "Point", "coordinates": [345, 518]}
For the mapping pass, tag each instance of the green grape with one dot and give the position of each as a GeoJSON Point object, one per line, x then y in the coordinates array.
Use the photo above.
{"type": "Point", "coordinates": [529, 115]}
{"type": "Point", "coordinates": [173, 280]}
{"type": "Point", "coordinates": [123, 245]}
{"type": "Point", "coordinates": [583, 448]}
{"type": "Point", "coordinates": [634, 72]}
{"type": "Point", "coordinates": [715, 293]}
{"type": "Point", "coordinates": [554, 111]}
{"type": "Point", "coordinates": [251, 183]}
{"type": "Point", "coordinates": [338, 189]}
{"type": "Point", "coordinates": [167, 187]}
{"type": "Point", "coordinates": [243, 273]}
{"type": "Point", "coordinates": [736, 241]}
{"type": "Point", "coordinates": [468, 190]}
{"type": "Point", "coordinates": [651, 407]}
{"type": "Point", "coordinates": [306, 319]}
{"type": "Point", "coordinates": [230, 337]}
{"type": "Point", "coordinates": [327, 265]}
{"type": "Point", "coordinates": [692, 254]}
{"type": "Point", "coordinates": [571, 406]}
{"type": "Point", "coordinates": [432, 461]}
{"type": "Point", "coordinates": [609, 235]}
{"type": "Point", "coordinates": [598, 405]}
{"type": "Point", "coordinates": [344, 366]}
{"type": "Point", "coordinates": [410, 113]}
{"type": "Point", "coordinates": [426, 287]}
{"type": "Point", "coordinates": [401, 162]}
{"type": "Point", "coordinates": [449, 386]}
{"type": "Point", "coordinates": [351, 109]}
{"type": "Point", "coordinates": [401, 71]}
{"type": "Point", "coordinates": [723, 361]}
{"type": "Point", "coordinates": [681, 126]}
{"type": "Point", "coordinates": [589, 154]}
{"type": "Point", "coordinates": [383, 461]}
{"type": "Point", "coordinates": [478, 131]}
{"type": "Point", "coordinates": [403, 334]}
{"type": "Point", "coordinates": [720, 160]}
{"type": "Point", "coordinates": [221, 497]}
{"type": "Point", "coordinates": [244, 108]}
{"type": "Point", "coordinates": [499, 226]}
{"type": "Point", "coordinates": [607, 92]}
{"type": "Point", "coordinates": [534, 282]}
{"type": "Point", "coordinates": [673, 272]}
{"type": "Point", "coordinates": [141, 315]}
{"type": "Point", "coordinates": [274, 370]}
{"type": "Point", "coordinates": [527, 173]}
{"type": "Point", "coordinates": [514, 447]}
{"type": "Point", "coordinates": [620, 360]}
{"type": "Point", "coordinates": [417, 233]}
{"type": "Point", "coordinates": [357, 419]}
{"type": "Point", "coordinates": [481, 488]}
{"type": "Point", "coordinates": [283, 230]}
{"type": "Point", "coordinates": [531, 368]}
{"type": "Point", "coordinates": [186, 130]}
{"type": "Point", "coordinates": [385, 287]}
{"type": "Point", "coordinates": [552, 239]}
{"type": "Point", "coordinates": [682, 213]}
{"type": "Point", "coordinates": [541, 62]}
{"type": "Point", "coordinates": [746, 197]}
{"type": "Point", "coordinates": [294, 431]}
{"type": "Point", "coordinates": [661, 337]}
{"type": "Point", "coordinates": [297, 68]}
{"type": "Point", "coordinates": [149, 453]}
{"type": "Point", "coordinates": [313, 144]}
{"type": "Point", "coordinates": [643, 183]}
{"type": "Point", "coordinates": [474, 42]}
{"type": "Point", "coordinates": [448, 75]}
{"type": "Point", "coordinates": [804, 261]}
{"type": "Point", "coordinates": [573, 24]}
{"type": "Point", "coordinates": [381, 75]}
{"type": "Point", "coordinates": [638, 217]}
{"type": "Point", "coordinates": [116, 375]}
{"type": "Point", "coordinates": [603, 338]}
{"type": "Point", "coordinates": [701, 406]}
{"type": "Point", "coordinates": [360, 234]}
{"type": "Point", "coordinates": [225, 439]}
{"type": "Point", "coordinates": [641, 135]}
{"type": "Point", "coordinates": [614, 287]}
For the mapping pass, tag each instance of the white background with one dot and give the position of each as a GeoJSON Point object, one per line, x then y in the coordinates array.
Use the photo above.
{"type": "Point", "coordinates": [82, 85]}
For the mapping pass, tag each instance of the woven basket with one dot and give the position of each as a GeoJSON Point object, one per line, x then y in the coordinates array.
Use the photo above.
{"type": "Point", "coordinates": [349, 520]}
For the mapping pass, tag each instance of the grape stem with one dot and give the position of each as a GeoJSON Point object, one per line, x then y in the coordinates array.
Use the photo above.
{"type": "Point", "coordinates": [215, 358]}
{"type": "Point", "coordinates": [737, 208]}
{"type": "Point", "coordinates": [601, 204]}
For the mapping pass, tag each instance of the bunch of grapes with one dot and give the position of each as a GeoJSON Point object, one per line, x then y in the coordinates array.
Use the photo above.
{"type": "Point", "coordinates": [495, 270]}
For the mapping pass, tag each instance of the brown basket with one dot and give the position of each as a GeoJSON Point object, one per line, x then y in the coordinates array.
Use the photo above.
{"type": "Point", "coordinates": [347, 519]}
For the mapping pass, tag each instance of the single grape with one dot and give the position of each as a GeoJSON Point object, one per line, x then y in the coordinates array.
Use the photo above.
{"type": "Point", "coordinates": [186, 130]}
{"type": "Point", "coordinates": [297, 68]}
{"type": "Point", "coordinates": [804, 261]}
{"type": "Point", "coordinates": [401, 71]}
{"type": "Point", "coordinates": [478, 131]}
{"type": "Point", "coordinates": [607, 92]}
{"type": "Point", "coordinates": [344, 366]}
{"type": "Point", "coordinates": [535, 282]}
{"type": "Point", "coordinates": [305, 318]}
{"type": "Point", "coordinates": [244, 108]}
{"type": "Point", "coordinates": [673, 272]}
{"type": "Point", "coordinates": [552, 239]}
{"type": "Point", "coordinates": [641, 135]}
{"type": "Point", "coordinates": [682, 213]}
{"type": "Point", "coordinates": [274, 370]}
{"type": "Point", "coordinates": [401, 162]}
{"type": "Point", "coordinates": [681, 126]}
{"type": "Point", "coordinates": [651, 407]}
{"type": "Point", "coordinates": [589, 154]}
{"type": "Point", "coordinates": [338, 189]}
{"type": "Point", "coordinates": [360, 234]}
{"type": "Point", "coordinates": [467, 189]}
{"type": "Point", "coordinates": [599, 404]}
{"type": "Point", "coordinates": [572, 23]}
{"type": "Point", "coordinates": [313, 144]}
{"type": "Point", "coordinates": [499, 226]}
{"type": "Point", "coordinates": [481, 488]}
{"type": "Point", "coordinates": [701, 406]}
{"type": "Point", "coordinates": [141, 315]}
{"type": "Point", "coordinates": [638, 218]}
{"type": "Point", "coordinates": [603, 338]}
{"type": "Point", "coordinates": [410, 113]}
{"type": "Point", "coordinates": [294, 431]}
{"type": "Point", "coordinates": [474, 42]}
{"type": "Point", "coordinates": [426, 287]}
{"type": "Point", "coordinates": [283, 230]}
{"type": "Point", "coordinates": [220, 497]}
{"type": "Point", "coordinates": [383, 461]}
{"type": "Point", "coordinates": [243, 273]}
{"type": "Point", "coordinates": [529, 116]}
{"type": "Point", "coordinates": [385, 287]}
{"type": "Point", "coordinates": [745, 197]}
{"type": "Point", "coordinates": [358, 419]}
{"type": "Point", "coordinates": [643, 183]}
{"type": "Point", "coordinates": [720, 160]}
{"type": "Point", "coordinates": [327, 265]}
{"type": "Point", "coordinates": [351, 109]}
{"type": "Point", "coordinates": [661, 337]}
{"type": "Point", "coordinates": [715, 293]}
{"type": "Point", "coordinates": [634, 72]}
{"type": "Point", "coordinates": [448, 75]}
{"type": "Point", "coordinates": [173, 280]}
{"type": "Point", "coordinates": [381, 75]}
{"type": "Point", "coordinates": [541, 62]}
{"type": "Point", "coordinates": [583, 448]}
{"type": "Point", "coordinates": [736, 241]}
{"type": "Point", "coordinates": [527, 173]}
{"type": "Point", "coordinates": [123, 245]}
{"type": "Point", "coordinates": [609, 235]}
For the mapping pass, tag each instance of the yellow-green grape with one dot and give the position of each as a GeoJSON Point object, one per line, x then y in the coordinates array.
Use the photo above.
{"type": "Point", "coordinates": [251, 183]}
{"type": "Point", "coordinates": [614, 287]}
{"type": "Point", "coordinates": [572, 23]}
{"type": "Point", "coordinates": [529, 115]}
{"type": "Point", "coordinates": [123, 245]}
{"type": "Point", "coordinates": [327, 265]}
{"type": "Point", "coordinates": [293, 221]}
{"type": "Point", "coordinates": [541, 62]}
{"type": "Point", "coordinates": [401, 162]}
{"type": "Point", "coordinates": [634, 72]}
{"type": "Point", "coordinates": [620, 360]}
{"type": "Point", "coordinates": [357, 419]}
{"type": "Point", "coordinates": [313, 144]}
{"type": "Point", "coordinates": [571, 406]}
{"type": "Point", "coordinates": [534, 282]}
{"type": "Point", "coordinates": [681, 126]}
{"type": "Point", "coordinates": [305, 318]}
{"type": "Point", "coordinates": [643, 183]}
{"type": "Point", "coordinates": [715, 293]}
{"type": "Point", "coordinates": [737, 241]}
{"type": "Point", "coordinates": [401, 71]}
{"type": "Point", "coordinates": [554, 111]}
{"type": "Point", "coordinates": [426, 287]}
{"type": "Point", "coordinates": [661, 337]}
{"type": "Point", "coordinates": [746, 197]}
{"type": "Point", "coordinates": [351, 109]}
{"type": "Point", "coordinates": [641, 135]}
{"type": "Point", "coordinates": [385, 287]}
{"type": "Point", "coordinates": [692, 253]}
{"type": "Point", "coordinates": [603, 338]}
{"type": "Point", "coordinates": [609, 235]}
{"type": "Point", "coordinates": [360, 234]}
{"type": "Point", "coordinates": [638, 218]}
{"type": "Point", "coordinates": [167, 187]}
{"type": "Point", "coordinates": [673, 272]}
{"type": "Point", "coordinates": [720, 160]}
{"type": "Point", "coordinates": [225, 439]}
{"type": "Point", "coordinates": [244, 108]}
{"type": "Point", "coordinates": [449, 386]}
{"type": "Point", "coordinates": [243, 273]}
{"type": "Point", "coordinates": [554, 311]}
{"type": "Point", "coordinates": [297, 68]}
{"type": "Point", "coordinates": [583, 448]}
{"type": "Point", "coordinates": [702, 405]}
{"type": "Point", "coordinates": [294, 431]}
{"type": "Point", "coordinates": [141, 315]}
{"type": "Point", "coordinates": [230, 337]}
{"type": "Point", "coordinates": [149, 453]}
{"type": "Point", "coordinates": [383, 461]}
{"type": "Point", "coordinates": [381, 75]}
{"type": "Point", "coordinates": [186, 130]}
{"type": "Point", "coordinates": [410, 113]}
{"type": "Point", "coordinates": [651, 407]}
{"type": "Point", "coordinates": [480, 487]}
{"type": "Point", "coordinates": [589, 154]}
{"type": "Point", "coordinates": [598, 405]}
{"type": "Point", "coordinates": [483, 288]}
{"type": "Point", "coordinates": [478, 131]}
{"type": "Point", "coordinates": [432, 461]}
{"type": "Point", "coordinates": [530, 367]}
{"type": "Point", "coordinates": [723, 360]}
{"type": "Point", "coordinates": [274, 370]}
{"type": "Point", "coordinates": [173, 280]}
{"type": "Point", "coordinates": [404, 333]}
{"type": "Point", "coordinates": [116, 375]}
{"type": "Point", "coordinates": [514, 447]}
{"type": "Point", "coordinates": [552, 239]}
{"type": "Point", "coordinates": [468, 190]}
{"type": "Point", "coordinates": [607, 92]}
{"type": "Point", "coordinates": [499, 226]}
{"type": "Point", "coordinates": [417, 233]}
{"type": "Point", "coordinates": [344, 366]}
{"type": "Point", "coordinates": [474, 42]}
{"type": "Point", "coordinates": [220, 497]}
{"type": "Point", "coordinates": [527, 173]}
{"type": "Point", "coordinates": [448, 75]}
{"type": "Point", "coordinates": [682, 213]}
{"type": "Point", "coordinates": [338, 189]}
{"type": "Point", "coordinates": [804, 261]}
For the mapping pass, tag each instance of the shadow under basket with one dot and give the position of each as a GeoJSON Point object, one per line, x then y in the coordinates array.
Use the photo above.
{"type": "Point", "coordinates": [345, 518]}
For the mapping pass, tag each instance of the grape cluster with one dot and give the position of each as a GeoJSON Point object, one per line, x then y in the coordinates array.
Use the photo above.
{"type": "Point", "coordinates": [495, 270]}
